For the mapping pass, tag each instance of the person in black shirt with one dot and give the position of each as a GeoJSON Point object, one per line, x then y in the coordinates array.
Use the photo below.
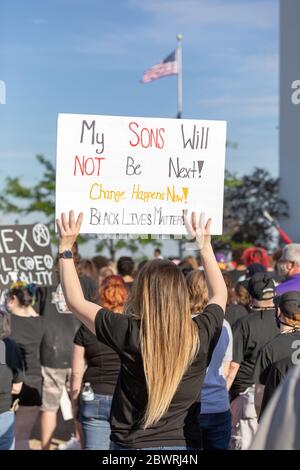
{"type": "Point", "coordinates": [279, 426]}
{"type": "Point", "coordinates": [27, 330]}
{"type": "Point", "coordinates": [102, 371]}
{"type": "Point", "coordinates": [284, 346]}
{"type": "Point", "coordinates": [11, 381]}
{"type": "Point", "coordinates": [164, 353]}
{"type": "Point", "coordinates": [250, 334]}
{"type": "Point", "coordinates": [56, 350]}
{"type": "Point", "coordinates": [276, 374]}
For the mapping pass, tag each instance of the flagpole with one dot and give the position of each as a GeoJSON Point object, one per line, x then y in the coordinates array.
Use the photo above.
{"type": "Point", "coordinates": [179, 107]}
{"type": "Point", "coordinates": [179, 75]}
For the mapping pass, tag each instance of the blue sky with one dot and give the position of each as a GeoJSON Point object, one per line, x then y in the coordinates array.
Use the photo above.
{"type": "Point", "coordinates": [87, 56]}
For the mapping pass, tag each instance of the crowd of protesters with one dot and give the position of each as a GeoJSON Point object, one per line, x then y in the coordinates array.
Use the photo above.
{"type": "Point", "coordinates": [166, 354]}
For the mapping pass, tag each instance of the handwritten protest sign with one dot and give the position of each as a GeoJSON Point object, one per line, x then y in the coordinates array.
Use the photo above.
{"type": "Point", "coordinates": [133, 175]}
{"type": "Point", "coordinates": [25, 255]}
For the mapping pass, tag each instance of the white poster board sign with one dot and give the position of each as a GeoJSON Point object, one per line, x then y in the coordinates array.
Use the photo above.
{"type": "Point", "coordinates": [132, 175]}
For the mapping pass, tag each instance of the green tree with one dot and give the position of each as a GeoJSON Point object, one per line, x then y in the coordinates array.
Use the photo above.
{"type": "Point", "coordinates": [244, 200]}
{"type": "Point", "coordinates": [16, 198]}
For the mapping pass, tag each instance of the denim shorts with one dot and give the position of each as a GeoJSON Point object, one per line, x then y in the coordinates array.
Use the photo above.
{"type": "Point", "coordinates": [7, 430]}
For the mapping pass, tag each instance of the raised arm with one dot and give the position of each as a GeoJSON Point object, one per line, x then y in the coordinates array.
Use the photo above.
{"type": "Point", "coordinates": [84, 310]}
{"type": "Point", "coordinates": [217, 290]}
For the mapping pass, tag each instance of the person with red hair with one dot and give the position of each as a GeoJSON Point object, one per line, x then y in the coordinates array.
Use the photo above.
{"type": "Point", "coordinates": [256, 254]}
{"type": "Point", "coordinates": [113, 293]}
{"type": "Point", "coordinates": [98, 365]}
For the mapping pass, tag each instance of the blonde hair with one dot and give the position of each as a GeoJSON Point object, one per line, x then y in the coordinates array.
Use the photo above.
{"type": "Point", "coordinates": [169, 338]}
{"type": "Point", "coordinates": [198, 291]}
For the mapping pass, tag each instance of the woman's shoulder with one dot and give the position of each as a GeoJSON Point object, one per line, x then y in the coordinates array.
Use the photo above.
{"type": "Point", "coordinates": [117, 316]}
{"type": "Point", "coordinates": [31, 314]}
{"type": "Point", "coordinates": [211, 310]}
{"type": "Point", "coordinates": [34, 314]}
{"type": "Point", "coordinates": [211, 318]}
{"type": "Point", "coordinates": [112, 319]}
{"type": "Point", "coordinates": [115, 329]}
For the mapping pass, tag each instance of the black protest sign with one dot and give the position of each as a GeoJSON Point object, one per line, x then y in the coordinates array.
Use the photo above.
{"type": "Point", "coordinates": [25, 255]}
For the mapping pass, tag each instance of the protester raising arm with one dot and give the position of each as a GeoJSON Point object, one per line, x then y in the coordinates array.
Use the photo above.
{"type": "Point", "coordinates": [217, 290]}
{"type": "Point", "coordinates": [153, 367]}
{"type": "Point", "coordinates": [84, 310]}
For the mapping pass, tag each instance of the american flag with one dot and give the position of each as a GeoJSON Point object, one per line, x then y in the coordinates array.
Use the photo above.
{"type": "Point", "coordinates": [168, 66]}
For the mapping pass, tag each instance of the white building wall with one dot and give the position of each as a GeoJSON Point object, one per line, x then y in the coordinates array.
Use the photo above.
{"type": "Point", "coordinates": [289, 143]}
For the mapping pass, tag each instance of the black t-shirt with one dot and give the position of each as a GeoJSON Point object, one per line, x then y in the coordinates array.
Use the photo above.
{"type": "Point", "coordinates": [276, 374]}
{"type": "Point", "coordinates": [28, 333]}
{"type": "Point", "coordinates": [234, 312]}
{"type": "Point", "coordinates": [281, 347]}
{"type": "Point", "coordinates": [178, 426]}
{"type": "Point", "coordinates": [250, 334]}
{"type": "Point", "coordinates": [60, 324]}
{"type": "Point", "coordinates": [103, 363]}
{"type": "Point", "coordinates": [11, 371]}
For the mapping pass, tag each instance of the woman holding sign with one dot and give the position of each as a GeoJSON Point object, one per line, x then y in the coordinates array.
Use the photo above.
{"type": "Point", "coordinates": [164, 353]}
